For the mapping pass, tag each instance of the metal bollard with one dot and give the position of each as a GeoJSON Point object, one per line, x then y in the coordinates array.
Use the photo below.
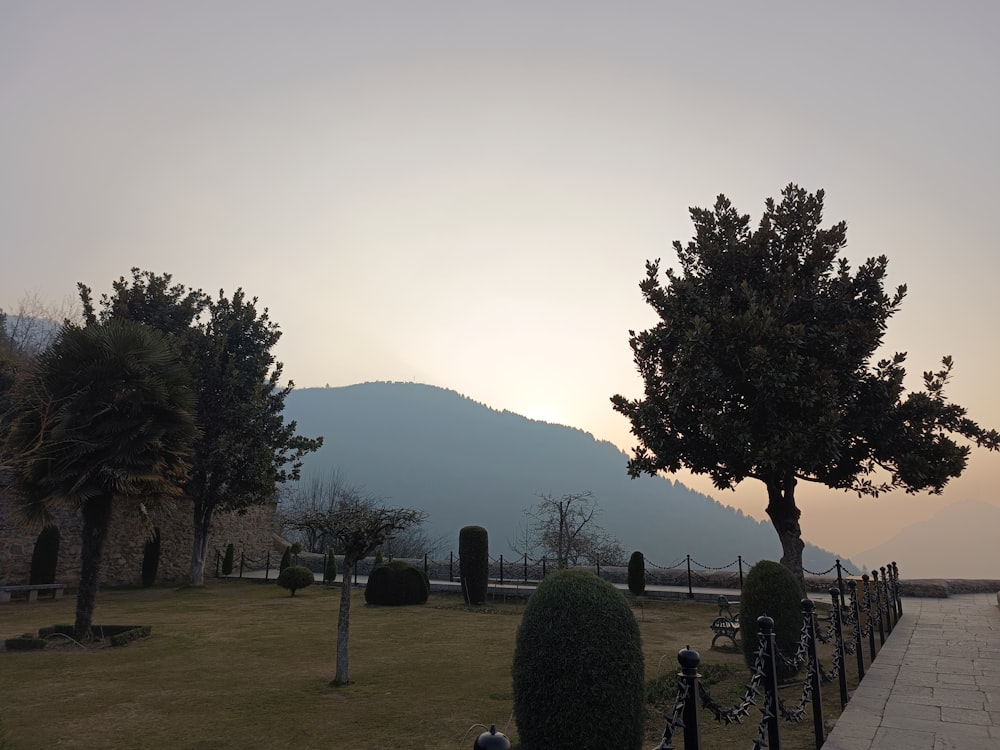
{"type": "Point", "coordinates": [491, 740]}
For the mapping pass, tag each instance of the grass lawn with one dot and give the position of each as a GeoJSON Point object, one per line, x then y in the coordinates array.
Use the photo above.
{"type": "Point", "coordinates": [243, 665]}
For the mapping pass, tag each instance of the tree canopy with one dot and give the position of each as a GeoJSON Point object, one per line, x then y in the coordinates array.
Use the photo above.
{"type": "Point", "coordinates": [103, 418]}
{"type": "Point", "coordinates": [245, 447]}
{"type": "Point", "coordinates": [761, 367]}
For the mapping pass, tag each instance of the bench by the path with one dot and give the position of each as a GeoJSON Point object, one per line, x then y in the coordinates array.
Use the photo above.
{"type": "Point", "coordinates": [31, 590]}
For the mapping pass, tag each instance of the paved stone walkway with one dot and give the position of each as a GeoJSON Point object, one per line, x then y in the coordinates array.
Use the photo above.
{"type": "Point", "coordinates": [934, 685]}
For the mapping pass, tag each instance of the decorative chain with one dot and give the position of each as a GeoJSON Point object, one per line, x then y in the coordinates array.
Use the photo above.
{"type": "Point", "coordinates": [708, 567]}
{"type": "Point", "coordinates": [736, 714]}
{"type": "Point", "coordinates": [675, 717]}
{"type": "Point", "coordinates": [767, 712]}
{"type": "Point", "coordinates": [825, 572]}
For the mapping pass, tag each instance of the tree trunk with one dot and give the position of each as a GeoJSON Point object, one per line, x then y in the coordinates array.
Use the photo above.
{"type": "Point", "coordinates": [343, 675]}
{"type": "Point", "coordinates": [96, 516]}
{"type": "Point", "coordinates": [784, 516]}
{"type": "Point", "coordinates": [199, 544]}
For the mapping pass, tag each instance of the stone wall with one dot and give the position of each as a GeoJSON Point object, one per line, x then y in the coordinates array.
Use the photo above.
{"type": "Point", "coordinates": [252, 532]}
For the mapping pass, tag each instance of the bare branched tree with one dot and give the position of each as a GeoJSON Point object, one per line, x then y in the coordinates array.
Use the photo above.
{"type": "Point", "coordinates": [335, 514]}
{"type": "Point", "coordinates": [564, 528]}
{"type": "Point", "coordinates": [359, 531]}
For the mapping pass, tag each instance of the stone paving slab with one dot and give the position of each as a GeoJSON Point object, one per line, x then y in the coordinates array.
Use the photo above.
{"type": "Point", "coordinates": [934, 685]}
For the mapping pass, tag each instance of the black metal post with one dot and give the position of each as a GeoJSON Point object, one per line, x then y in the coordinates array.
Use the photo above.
{"type": "Point", "coordinates": [690, 590]}
{"type": "Point", "coordinates": [451, 566]}
{"type": "Point", "coordinates": [840, 581]}
{"type": "Point", "coordinates": [868, 617]}
{"type": "Point", "coordinates": [689, 661]}
{"type": "Point", "coordinates": [543, 566]}
{"type": "Point", "coordinates": [855, 613]}
{"type": "Point", "coordinates": [267, 567]}
{"type": "Point", "coordinates": [770, 708]}
{"type": "Point", "coordinates": [425, 563]}
{"type": "Point", "coordinates": [809, 613]}
{"type": "Point", "coordinates": [242, 552]}
{"type": "Point", "coordinates": [356, 572]}
{"type": "Point", "coordinates": [501, 570]}
{"type": "Point", "coordinates": [895, 581]}
{"type": "Point", "coordinates": [890, 612]}
{"type": "Point", "coordinates": [838, 634]}
{"type": "Point", "coordinates": [739, 560]}
{"type": "Point", "coordinates": [878, 608]}
{"type": "Point", "coordinates": [598, 567]}
{"type": "Point", "coordinates": [525, 567]}
{"type": "Point", "coordinates": [218, 558]}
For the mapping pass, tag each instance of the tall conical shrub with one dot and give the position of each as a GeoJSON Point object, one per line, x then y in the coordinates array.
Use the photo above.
{"type": "Point", "coordinates": [45, 556]}
{"type": "Point", "coordinates": [331, 566]}
{"type": "Point", "coordinates": [637, 574]}
{"type": "Point", "coordinates": [578, 667]}
{"type": "Point", "coordinates": [771, 589]}
{"type": "Point", "coordinates": [286, 560]}
{"type": "Point", "coordinates": [227, 560]}
{"type": "Point", "coordinates": [474, 563]}
{"type": "Point", "coordinates": [151, 558]}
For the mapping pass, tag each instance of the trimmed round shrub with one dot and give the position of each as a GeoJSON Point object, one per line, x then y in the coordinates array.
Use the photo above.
{"type": "Point", "coordinates": [331, 566]}
{"type": "Point", "coordinates": [637, 574]}
{"type": "Point", "coordinates": [295, 577]}
{"type": "Point", "coordinates": [397, 584]}
{"type": "Point", "coordinates": [151, 558]}
{"type": "Point", "coordinates": [227, 560]}
{"type": "Point", "coordinates": [45, 556]}
{"type": "Point", "coordinates": [286, 559]}
{"type": "Point", "coordinates": [771, 589]}
{"type": "Point", "coordinates": [578, 667]}
{"type": "Point", "coordinates": [474, 563]}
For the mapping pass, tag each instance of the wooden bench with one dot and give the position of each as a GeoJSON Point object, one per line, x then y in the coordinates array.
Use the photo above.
{"type": "Point", "coordinates": [726, 625]}
{"type": "Point", "coordinates": [31, 590]}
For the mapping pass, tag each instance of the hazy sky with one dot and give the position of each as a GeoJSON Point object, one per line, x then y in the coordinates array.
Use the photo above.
{"type": "Point", "coordinates": [465, 194]}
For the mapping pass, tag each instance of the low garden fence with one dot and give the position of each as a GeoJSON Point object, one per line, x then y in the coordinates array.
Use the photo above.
{"type": "Point", "coordinates": [852, 625]}
{"type": "Point", "coordinates": [506, 570]}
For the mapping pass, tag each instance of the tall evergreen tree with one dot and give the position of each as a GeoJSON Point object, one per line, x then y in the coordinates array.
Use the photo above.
{"type": "Point", "coordinates": [245, 448]}
{"type": "Point", "coordinates": [761, 368]}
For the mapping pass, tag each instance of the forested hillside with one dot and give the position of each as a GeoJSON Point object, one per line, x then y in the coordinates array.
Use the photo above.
{"type": "Point", "coordinates": [465, 463]}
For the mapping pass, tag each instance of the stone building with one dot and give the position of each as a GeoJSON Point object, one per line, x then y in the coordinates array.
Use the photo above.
{"type": "Point", "coordinates": [252, 533]}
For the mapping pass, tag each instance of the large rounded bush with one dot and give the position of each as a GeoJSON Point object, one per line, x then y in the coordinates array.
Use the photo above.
{"type": "Point", "coordinates": [578, 667]}
{"type": "Point", "coordinates": [397, 584]}
{"type": "Point", "coordinates": [771, 589]}
{"type": "Point", "coordinates": [295, 577]}
{"type": "Point", "coordinates": [474, 563]}
{"type": "Point", "coordinates": [637, 574]}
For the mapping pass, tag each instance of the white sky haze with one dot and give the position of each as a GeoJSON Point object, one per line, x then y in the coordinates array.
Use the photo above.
{"type": "Point", "coordinates": [465, 194]}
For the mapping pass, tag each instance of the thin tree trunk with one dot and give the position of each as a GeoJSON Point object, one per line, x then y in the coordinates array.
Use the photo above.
{"type": "Point", "coordinates": [343, 675]}
{"type": "Point", "coordinates": [784, 517]}
{"type": "Point", "coordinates": [96, 516]}
{"type": "Point", "coordinates": [199, 544]}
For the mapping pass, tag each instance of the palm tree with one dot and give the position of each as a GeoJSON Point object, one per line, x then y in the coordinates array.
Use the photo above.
{"type": "Point", "coordinates": [104, 418]}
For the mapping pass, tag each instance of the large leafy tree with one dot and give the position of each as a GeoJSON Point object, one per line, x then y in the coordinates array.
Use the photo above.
{"type": "Point", "coordinates": [245, 448]}
{"type": "Point", "coordinates": [103, 419]}
{"type": "Point", "coordinates": [761, 367]}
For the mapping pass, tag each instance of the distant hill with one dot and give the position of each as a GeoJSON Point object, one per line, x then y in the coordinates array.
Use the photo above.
{"type": "Point", "coordinates": [958, 542]}
{"type": "Point", "coordinates": [468, 464]}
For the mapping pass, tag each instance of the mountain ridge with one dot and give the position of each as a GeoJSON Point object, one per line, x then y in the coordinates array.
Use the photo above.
{"type": "Point", "coordinates": [468, 463]}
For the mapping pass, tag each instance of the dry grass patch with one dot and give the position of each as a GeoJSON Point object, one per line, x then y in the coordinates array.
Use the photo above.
{"type": "Point", "coordinates": [241, 665]}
